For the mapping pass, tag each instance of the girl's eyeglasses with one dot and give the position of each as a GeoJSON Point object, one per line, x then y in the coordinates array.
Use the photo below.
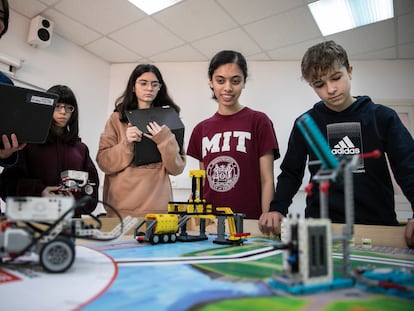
{"type": "Point", "coordinates": [143, 84]}
{"type": "Point", "coordinates": [68, 108]}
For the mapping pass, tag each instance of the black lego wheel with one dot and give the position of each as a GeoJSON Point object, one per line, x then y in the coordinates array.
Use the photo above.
{"type": "Point", "coordinates": [155, 239]}
{"type": "Point", "coordinates": [57, 255]}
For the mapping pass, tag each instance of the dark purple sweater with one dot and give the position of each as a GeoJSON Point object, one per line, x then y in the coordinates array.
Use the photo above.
{"type": "Point", "coordinates": [40, 165]}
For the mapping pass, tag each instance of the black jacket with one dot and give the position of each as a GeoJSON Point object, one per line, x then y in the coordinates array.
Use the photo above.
{"type": "Point", "coordinates": [361, 128]}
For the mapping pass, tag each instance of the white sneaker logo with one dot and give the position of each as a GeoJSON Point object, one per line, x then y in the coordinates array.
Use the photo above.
{"type": "Point", "coordinates": [345, 146]}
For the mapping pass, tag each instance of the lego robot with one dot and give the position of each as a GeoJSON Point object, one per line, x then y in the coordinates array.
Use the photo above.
{"type": "Point", "coordinates": [76, 181]}
{"type": "Point", "coordinates": [308, 242]}
{"type": "Point", "coordinates": [44, 226]}
{"type": "Point", "coordinates": [171, 227]}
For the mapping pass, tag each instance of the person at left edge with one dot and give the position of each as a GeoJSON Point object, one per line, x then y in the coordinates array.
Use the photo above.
{"type": "Point", "coordinates": [8, 155]}
{"type": "Point", "coordinates": [37, 171]}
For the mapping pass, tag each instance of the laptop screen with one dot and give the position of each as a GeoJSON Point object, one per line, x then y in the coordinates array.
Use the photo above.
{"type": "Point", "coordinates": [146, 151]}
{"type": "Point", "coordinates": [25, 112]}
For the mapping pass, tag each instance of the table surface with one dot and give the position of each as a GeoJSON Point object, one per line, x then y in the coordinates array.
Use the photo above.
{"type": "Point", "coordinates": [392, 236]}
{"type": "Point", "coordinates": [127, 275]}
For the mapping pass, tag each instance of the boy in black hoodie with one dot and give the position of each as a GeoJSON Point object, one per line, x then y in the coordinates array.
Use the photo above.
{"type": "Point", "coordinates": [352, 125]}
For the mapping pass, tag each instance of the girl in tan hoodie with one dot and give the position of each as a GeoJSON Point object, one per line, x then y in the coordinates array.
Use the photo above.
{"type": "Point", "coordinates": [138, 190]}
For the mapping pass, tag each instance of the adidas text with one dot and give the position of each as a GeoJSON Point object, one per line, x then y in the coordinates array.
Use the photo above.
{"type": "Point", "coordinates": [346, 151]}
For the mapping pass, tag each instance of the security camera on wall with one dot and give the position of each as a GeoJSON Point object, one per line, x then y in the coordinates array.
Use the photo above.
{"type": "Point", "coordinates": [40, 32]}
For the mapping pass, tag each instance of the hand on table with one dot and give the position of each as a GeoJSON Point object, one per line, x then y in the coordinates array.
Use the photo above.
{"type": "Point", "coordinates": [409, 233]}
{"type": "Point", "coordinates": [270, 223]}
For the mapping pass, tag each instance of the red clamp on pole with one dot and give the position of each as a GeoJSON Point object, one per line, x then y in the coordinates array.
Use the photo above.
{"type": "Point", "coordinates": [373, 154]}
{"type": "Point", "coordinates": [325, 187]}
{"type": "Point", "coordinates": [308, 189]}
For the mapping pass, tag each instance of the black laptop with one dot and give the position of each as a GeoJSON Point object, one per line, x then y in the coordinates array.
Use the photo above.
{"type": "Point", "coordinates": [146, 151]}
{"type": "Point", "coordinates": [25, 112]}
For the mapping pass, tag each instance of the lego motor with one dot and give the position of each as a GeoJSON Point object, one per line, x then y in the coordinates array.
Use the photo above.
{"type": "Point", "coordinates": [76, 181]}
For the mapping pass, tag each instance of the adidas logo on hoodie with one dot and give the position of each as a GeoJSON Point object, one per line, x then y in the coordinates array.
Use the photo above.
{"type": "Point", "coordinates": [345, 147]}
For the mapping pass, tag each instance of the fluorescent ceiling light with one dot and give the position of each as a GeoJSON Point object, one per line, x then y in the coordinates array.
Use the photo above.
{"type": "Point", "coordinates": [334, 16]}
{"type": "Point", "coordinates": [153, 6]}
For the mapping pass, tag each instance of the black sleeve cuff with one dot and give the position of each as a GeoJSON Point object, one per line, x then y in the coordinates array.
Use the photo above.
{"type": "Point", "coordinates": [10, 161]}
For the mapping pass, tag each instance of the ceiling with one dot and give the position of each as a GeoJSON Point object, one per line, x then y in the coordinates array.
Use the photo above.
{"type": "Point", "coordinates": [194, 30]}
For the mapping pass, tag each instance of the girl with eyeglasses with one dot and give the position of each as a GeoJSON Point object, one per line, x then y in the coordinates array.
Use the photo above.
{"type": "Point", "coordinates": [38, 170]}
{"type": "Point", "coordinates": [138, 190]}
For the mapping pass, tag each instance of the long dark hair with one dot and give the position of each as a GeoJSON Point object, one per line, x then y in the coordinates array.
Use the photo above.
{"type": "Point", "coordinates": [71, 131]}
{"type": "Point", "coordinates": [5, 17]}
{"type": "Point", "coordinates": [128, 99]}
